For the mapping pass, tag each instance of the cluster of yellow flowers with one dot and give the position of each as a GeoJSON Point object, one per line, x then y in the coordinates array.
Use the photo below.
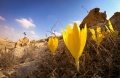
{"type": "Point", "coordinates": [97, 35]}
{"type": "Point", "coordinates": [75, 39]}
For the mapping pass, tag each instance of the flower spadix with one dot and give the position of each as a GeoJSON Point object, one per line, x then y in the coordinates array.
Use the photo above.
{"type": "Point", "coordinates": [75, 40]}
{"type": "Point", "coordinates": [97, 35]}
{"type": "Point", "coordinates": [52, 44]}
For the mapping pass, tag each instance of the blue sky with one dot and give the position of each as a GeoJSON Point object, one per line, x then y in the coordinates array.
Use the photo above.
{"type": "Point", "coordinates": [37, 17]}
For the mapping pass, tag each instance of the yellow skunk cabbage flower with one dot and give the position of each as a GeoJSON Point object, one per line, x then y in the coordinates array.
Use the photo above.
{"type": "Point", "coordinates": [75, 40]}
{"type": "Point", "coordinates": [53, 44]}
{"type": "Point", "coordinates": [97, 35]}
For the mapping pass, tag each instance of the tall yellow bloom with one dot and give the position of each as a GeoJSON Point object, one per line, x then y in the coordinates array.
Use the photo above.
{"type": "Point", "coordinates": [75, 40]}
{"type": "Point", "coordinates": [97, 35]}
{"type": "Point", "coordinates": [52, 44]}
{"type": "Point", "coordinates": [110, 26]}
{"type": "Point", "coordinates": [110, 31]}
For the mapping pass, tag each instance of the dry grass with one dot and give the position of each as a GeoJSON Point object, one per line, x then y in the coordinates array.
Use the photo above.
{"type": "Point", "coordinates": [106, 64]}
{"type": "Point", "coordinates": [6, 58]}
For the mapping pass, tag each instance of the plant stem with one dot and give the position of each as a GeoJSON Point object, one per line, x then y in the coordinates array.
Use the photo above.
{"type": "Point", "coordinates": [97, 49]}
{"type": "Point", "coordinates": [77, 64]}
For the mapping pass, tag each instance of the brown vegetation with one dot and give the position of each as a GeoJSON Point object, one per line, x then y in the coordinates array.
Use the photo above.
{"type": "Point", "coordinates": [36, 61]}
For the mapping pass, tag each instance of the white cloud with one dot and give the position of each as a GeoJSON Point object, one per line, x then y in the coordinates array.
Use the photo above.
{"type": "Point", "coordinates": [57, 33]}
{"type": "Point", "coordinates": [78, 22]}
{"type": "Point", "coordinates": [35, 37]}
{"type": "Point", "coordinates": [9, 33]}
{"type": "Point", "coordinates": [1, 18]}
{"type": "Point", "coordinates": [26, 23]}
{"type": "Point", "coordinates": [32, 35]}
{"type": "Point", "coordinates": [71, 24]}
{"type": "Point", "coordinates": [32, 32]}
